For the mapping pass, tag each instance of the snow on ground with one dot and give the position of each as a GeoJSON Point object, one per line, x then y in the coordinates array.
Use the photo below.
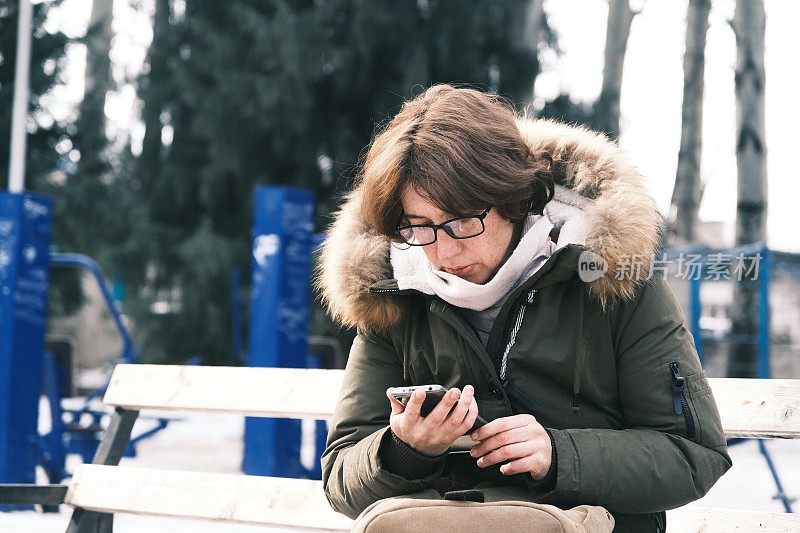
{"type": "Point", "coordinates": [213, 443]}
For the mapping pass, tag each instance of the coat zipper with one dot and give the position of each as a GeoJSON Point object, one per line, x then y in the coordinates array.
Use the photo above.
{"type": "Point", "coordinates": [679, 402]}
{"type": "Point", "coordinates": [511, 331]}
{"type": "Point", "coordinates": [509, 335]}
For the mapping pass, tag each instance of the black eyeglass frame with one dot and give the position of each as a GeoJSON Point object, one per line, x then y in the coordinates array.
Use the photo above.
{"type": "Point", "coordinates": [444, 226]}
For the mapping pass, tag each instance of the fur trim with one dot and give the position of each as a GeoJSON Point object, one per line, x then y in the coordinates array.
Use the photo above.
{"type": "Point", "coordinates": [352, 259]}
{"type": "Point", "coordinates": [622, 219]}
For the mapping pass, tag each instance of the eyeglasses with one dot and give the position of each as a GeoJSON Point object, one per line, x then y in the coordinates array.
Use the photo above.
{"type": "Point", "coordinates": [457, 228]}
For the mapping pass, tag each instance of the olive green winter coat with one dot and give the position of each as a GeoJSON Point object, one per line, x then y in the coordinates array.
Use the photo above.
{"type": "Point", "coordinates": [607, 367]}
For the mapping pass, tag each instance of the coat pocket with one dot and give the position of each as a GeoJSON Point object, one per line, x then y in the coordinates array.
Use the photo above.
{"type": "Point", "coordinates": [701, 399]}
{"type": "Point", "coordinates": [694, 402]}
{"type": "Point", "coordinates": [680, 400]}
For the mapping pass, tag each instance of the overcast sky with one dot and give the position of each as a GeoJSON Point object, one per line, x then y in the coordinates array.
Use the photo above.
{"type": "Point", "coordinates": [651, 92]}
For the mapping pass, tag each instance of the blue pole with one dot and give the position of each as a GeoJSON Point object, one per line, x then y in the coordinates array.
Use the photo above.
{"type": "Point", "coordinates": [782, 496]}
{"type": "Point", "coordinates": [696, 311]}
{"type": "Point", "coordinates": [320, 430]}
{"type": "Point", "coordinates": [25, 222]}
{"type": "Point", "coordinates": [764, 273]}
{"type": "Point", "coordinates": [279, 314]}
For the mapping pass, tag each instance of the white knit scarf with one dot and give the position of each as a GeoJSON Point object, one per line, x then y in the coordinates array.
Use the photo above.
{"type": "Point", "coordinates": [412, 270]}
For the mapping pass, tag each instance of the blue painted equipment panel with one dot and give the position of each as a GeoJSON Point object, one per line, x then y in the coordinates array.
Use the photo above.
{"type": "Point", "coordinates": [25, 223]}
{"type": "Point", "coordinates": [279, 315]}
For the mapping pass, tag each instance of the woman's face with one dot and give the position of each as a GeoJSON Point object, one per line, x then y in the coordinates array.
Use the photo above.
{"type": "Point", "coordinates": [476, 259]}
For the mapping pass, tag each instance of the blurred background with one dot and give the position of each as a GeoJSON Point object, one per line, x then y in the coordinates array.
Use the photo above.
{"type": "Point", "coordinates": [152, 121]}
{"type": "Point", "coordinates": [161, 128]}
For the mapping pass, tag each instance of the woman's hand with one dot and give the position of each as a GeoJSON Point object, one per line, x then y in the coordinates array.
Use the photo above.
{"type": "Point", "coordinates": [433, 434]}
{"type": "Point", "coordinates": [518, 439]}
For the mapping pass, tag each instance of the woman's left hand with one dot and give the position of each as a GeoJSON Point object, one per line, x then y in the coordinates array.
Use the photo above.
{"type": "Point", "coordinates": [518, 439]}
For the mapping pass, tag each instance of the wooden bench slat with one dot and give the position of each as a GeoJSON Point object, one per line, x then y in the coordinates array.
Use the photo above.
{"type": "Point", "coordinates": [299, 503]}
{"type": "Point", "coordinates": [761, 408]}
{"type": "Point", "coordinates": [292, 392]}
{"type": "Point", "coordinates": [278, 502]}
{"type": "Point", "coordinates": [705, 520]}
{"type": "Point", "coordinates": [748, 407]}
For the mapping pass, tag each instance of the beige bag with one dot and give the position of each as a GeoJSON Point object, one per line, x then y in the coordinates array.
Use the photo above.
{"type": "Point", "coordinates": [414, 515]}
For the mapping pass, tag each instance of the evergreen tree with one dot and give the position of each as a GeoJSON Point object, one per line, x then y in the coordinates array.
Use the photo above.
{"type": "Point", "coordinates": [287, 92]}
{"type": "Point", "coordinates": [165, 177]}
{"type": "Point", "coordinates": [86, 210]}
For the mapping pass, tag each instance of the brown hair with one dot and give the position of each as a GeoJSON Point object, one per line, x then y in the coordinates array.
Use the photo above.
{"type": "Point", "coordinates": [461, 149]}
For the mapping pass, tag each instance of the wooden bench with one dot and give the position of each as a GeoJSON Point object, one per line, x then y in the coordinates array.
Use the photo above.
{"type": "Point", "coordinates": [748, 407]}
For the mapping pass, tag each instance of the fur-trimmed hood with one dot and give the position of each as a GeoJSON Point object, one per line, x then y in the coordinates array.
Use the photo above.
{"type": "Point", "coordinates": [590, 172]}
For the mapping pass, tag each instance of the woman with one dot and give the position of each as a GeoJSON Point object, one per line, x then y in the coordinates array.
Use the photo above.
{"type": "Point", "coordinates": [464, 256]}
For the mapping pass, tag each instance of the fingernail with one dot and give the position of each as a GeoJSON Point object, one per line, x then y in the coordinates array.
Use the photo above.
{"type": "Point", "coordinates": [474, 435]}
{"type": "Point", "coordinates": [473, 453]}
{"type": "Point", "coordinates": [480, 461]}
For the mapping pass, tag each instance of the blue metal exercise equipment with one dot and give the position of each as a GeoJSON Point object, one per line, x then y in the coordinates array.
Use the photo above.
{"type": "Point", "coordinates": [713, 259]}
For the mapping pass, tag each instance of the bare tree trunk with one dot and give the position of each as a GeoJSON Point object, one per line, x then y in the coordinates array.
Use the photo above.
{"type": "Point", "coordinates": [91, 137]}
{"type": "Point", "coordinates": [85, 194]}
{"type": "Point", "coordinates": [687, 193]}
{"type": "Point", "coordinates": [606, 109]}
{"type": "Point", "coordinates": [751, 164]}
{"type": "Point", "coordinates": [532, 32]}
{"type": "Point", "coordinates": [155, 94]}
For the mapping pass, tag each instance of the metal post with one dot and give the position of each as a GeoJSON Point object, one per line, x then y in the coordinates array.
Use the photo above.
{"type": "Point", "coordinates": [696, 311]}
{"type": "Point", "coordinates": [110, 451]}
{"type": "Point", "coordinates": [24, 260]}
{"type": "Point", "coordinates": [781, 495]}
{"type": "Point", "coordinates": [279, 315]}
{"type": "Point", "coordinates": [764, 273]}
{"type": "Point", "coordinates": [16, 173]}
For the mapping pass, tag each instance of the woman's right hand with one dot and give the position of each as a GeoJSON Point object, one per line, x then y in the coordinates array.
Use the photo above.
{"type": "Point", "coordinates": [433, 434]}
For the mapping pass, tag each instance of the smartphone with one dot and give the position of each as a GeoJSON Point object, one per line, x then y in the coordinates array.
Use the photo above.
{"type": "Point", "coordinates": [433, 394]}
